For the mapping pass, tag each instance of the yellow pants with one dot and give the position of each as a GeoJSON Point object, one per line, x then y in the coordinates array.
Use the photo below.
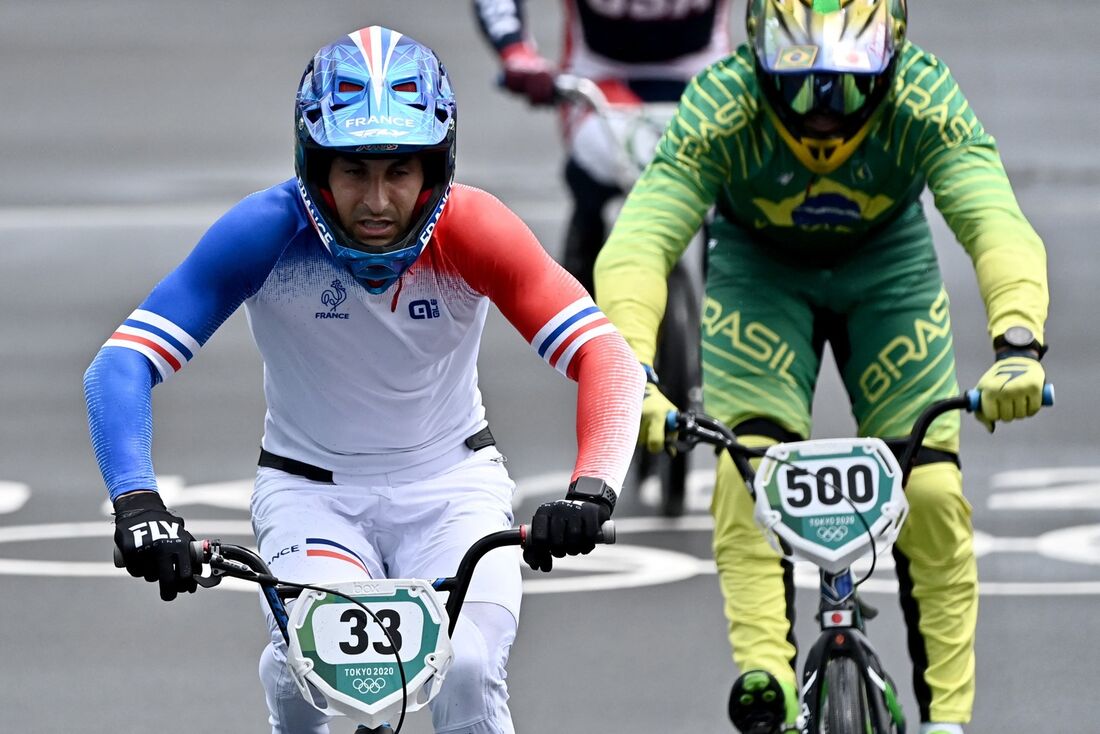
{"type": "Point", "coordinates": [937, 546]}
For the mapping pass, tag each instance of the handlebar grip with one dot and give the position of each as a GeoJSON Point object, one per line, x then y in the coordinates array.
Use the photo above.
{"type": "Point", "coordinates": [197, 550]}
{"type": "Point", "coordinates": [672, 421]}
{"type": "Point", "coordinates": [607, 532]}
{"type": "Point", "coordinates": [974, 397]}
{"type": "Point", "coordinates": [606, 535]}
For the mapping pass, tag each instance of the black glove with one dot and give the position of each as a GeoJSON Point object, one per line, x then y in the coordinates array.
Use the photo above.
{"type": "Point", "coordinates": [153, 543]}
{"type": "Point", "coordinates": [570, 526]}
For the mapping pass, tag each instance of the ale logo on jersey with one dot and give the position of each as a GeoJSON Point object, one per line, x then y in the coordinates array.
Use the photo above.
{"type": "Point", "coordinates": [333, 297]}
{"type": "Point", "coordinates": [424, 309]}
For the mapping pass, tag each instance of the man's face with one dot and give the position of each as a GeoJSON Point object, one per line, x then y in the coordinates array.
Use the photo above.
{"type": "Point", "coordinates": [376, 197]}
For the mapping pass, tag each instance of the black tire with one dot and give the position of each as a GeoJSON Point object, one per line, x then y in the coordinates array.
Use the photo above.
{"type": "Point", "coordinates": [844, 707]}
{"type": "Point", "coordinates": [677, 364]}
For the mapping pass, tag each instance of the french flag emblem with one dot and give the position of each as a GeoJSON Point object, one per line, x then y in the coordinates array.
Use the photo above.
{"type": "Point", "coordinates": [572, 327]}
{"type": "Point", "coordinates": [324, 548]}
{"type": "Point", "coordinates": [163, 343]}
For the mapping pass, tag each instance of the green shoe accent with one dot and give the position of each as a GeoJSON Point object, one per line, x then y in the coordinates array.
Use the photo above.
{"type": "Point", "coordinates": [760, 704]}
{"type": "Point", "coordinates": [794, 708]}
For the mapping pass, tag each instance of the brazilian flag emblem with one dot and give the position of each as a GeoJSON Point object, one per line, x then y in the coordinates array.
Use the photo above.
{"type": "Point", "coordinates": [796, 57]}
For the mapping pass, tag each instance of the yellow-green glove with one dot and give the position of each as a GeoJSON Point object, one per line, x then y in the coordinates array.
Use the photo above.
{"type": "Point", "coordinates": [655, 410]}
{"type": "Point", "coordinates": [1012, 388]}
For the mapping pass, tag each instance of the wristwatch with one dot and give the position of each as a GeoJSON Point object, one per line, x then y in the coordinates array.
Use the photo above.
{"type": "Point", "coordinates": [593, 490]}
{"type": "Point", "coordinates": [1019, 339]}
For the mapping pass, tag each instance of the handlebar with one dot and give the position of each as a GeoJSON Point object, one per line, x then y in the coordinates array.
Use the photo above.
{"type": "Point", "coordinates": [227, 559]}
{"type": "Point", "coordinates": [693, 428]}
{"type": "Point", "coordinates": [459, 584]}
{"type": "Point", "coordinates": [571, 88]}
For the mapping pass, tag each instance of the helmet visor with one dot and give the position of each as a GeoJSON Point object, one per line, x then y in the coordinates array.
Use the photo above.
{"type": "Point", "coordinates": [826, 93]}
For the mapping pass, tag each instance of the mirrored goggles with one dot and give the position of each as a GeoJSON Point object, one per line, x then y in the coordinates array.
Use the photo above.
{"type": "Point", "coordinates": [832, 93]}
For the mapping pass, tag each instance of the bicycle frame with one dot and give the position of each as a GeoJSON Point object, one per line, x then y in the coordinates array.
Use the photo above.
{"type": "Point", "coordinates": [841, 614]}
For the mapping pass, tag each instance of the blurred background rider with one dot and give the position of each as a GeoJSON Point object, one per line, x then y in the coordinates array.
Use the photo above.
{"type": "Point", "coordinates": [637, 51]}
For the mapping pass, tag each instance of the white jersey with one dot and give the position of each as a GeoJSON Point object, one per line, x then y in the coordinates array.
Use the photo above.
{"type": "Point", "coordinates": [359, 383]}
{"type": "Point", "coordinates": [366, 383]}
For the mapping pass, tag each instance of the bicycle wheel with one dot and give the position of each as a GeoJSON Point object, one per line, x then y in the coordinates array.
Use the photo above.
{"type": "Point", "coordinates": [844, 707]}
{"type": "Point", "coordinates": [677, 363]}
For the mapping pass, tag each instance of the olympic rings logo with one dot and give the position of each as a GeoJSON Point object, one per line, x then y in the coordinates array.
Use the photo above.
{"type": "Point", "coordinates": [368, 685]}
{"type": "Point", "coordinates": [832, 533]}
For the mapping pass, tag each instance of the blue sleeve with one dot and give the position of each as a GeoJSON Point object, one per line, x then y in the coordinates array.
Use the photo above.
{"type": "Point", "coordinates": [229, 264]}
{"type": "Point", "coordinates": [117, 389]}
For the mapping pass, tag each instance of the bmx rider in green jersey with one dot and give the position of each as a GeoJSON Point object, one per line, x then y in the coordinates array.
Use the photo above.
{"type": "Point", "coordinates": [814, 141]}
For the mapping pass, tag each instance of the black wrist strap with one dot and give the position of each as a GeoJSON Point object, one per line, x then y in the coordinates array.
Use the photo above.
{"type": "Point", "coordinates": [592, 490]}
{"type": "Point", "coordinates": [135, 502]}
{"type": "Point", "coordinates": [1027, 352]}
{"type": "Point", "coordinates": [1035, 350]}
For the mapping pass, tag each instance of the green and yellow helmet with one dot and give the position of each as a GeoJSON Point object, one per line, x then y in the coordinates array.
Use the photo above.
{"type": "Point", "coordinates": [824, 67]}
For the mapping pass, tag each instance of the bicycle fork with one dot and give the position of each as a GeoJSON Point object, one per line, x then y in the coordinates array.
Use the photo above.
{"type": "Point", "coordinates": [842, 615]}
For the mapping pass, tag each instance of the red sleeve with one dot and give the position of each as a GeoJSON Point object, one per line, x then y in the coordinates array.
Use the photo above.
{"type": "Point", "coordinates": [498, 256]}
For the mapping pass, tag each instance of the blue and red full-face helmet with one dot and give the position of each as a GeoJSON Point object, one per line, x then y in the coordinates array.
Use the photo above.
{"type": "Point", "coordinates": [374, 92]}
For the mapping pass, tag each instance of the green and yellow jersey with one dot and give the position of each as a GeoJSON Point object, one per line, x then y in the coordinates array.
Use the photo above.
{"type": "Point", "coordinates": [723, 149]}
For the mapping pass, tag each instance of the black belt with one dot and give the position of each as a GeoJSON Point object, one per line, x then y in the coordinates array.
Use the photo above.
{"type": "Point", "coordinates": [772, 430]}
{"type": "Point", "coordinates": [479, 440]}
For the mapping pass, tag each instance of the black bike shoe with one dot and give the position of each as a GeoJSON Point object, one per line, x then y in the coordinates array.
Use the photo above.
{"type": "Point", "coordinates": [757, 704]}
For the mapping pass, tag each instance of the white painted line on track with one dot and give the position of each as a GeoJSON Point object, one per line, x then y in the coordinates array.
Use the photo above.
{"type": "Point", "coordinates": [180, 215]}
{"type": "Point", "coordinates": [237, 494]}
{"type": "Point", "coordinates": [608, 567]}
{"type": "Point", "coordinates": [616, 566]}
{"type": "Point", "coordinates": [1076, 497]}
{"type": "Point", "coordinates": [1044, 477]}
{"type": "Point", "coordinates": [110, 216]}
{"type": "Point", "coordinates": [13, 495]}
{"type": "Point", "coordinates": [698, 489]}
{"type": "Point", "coordinates": [1047, 488]}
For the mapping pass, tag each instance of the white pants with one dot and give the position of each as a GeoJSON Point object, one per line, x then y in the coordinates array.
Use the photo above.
{"type": "Point", "coordinates": [416, 523]}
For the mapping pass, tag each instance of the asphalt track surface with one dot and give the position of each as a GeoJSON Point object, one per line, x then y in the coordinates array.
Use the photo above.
{"type": "Point", "coordinates": [127, 127]}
